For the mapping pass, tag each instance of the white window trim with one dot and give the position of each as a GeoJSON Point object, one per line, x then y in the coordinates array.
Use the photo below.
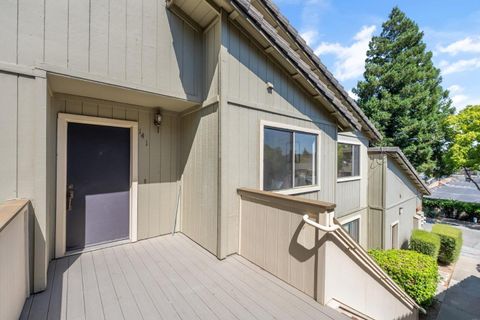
{"type": "Point", "coordinates": [62, 123]}
{"type": "Point", "coordinates": [297, 190]}
{"type": "Point", "coordinates": [353, 218]}
{"type": "Point", "coordinates": [345, 140]}
{"type": "Point", "coordinates": [397, 222]}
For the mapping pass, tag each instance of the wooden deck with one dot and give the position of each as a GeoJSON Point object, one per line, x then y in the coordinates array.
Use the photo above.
{"type": "Point", "coordinates": [166, 278]}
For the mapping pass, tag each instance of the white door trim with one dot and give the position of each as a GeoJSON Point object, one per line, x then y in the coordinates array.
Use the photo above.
{"type": "Point", "coordinates": [62, 123]}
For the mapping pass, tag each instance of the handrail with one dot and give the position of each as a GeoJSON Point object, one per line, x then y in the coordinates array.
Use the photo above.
{"type": "Point", "coordinates": [296, 204]}
{"type": "Point", "coordinates": [9, 210]}
{"type": "Point", "coordinates": [365, 259]}
{"type": "Point", "coordinates": [319, 226]}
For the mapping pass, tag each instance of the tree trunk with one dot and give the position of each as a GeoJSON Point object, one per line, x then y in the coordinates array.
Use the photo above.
{"type": "Point", "coordinates": [471, 179]}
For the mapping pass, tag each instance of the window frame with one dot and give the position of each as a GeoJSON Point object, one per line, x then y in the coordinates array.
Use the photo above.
{"type": "Point", "coordinates": [352, 219]}
{"type": "Point", "coordinates": [355, 143]}
{"type": "Point", "coordinates": [280, 126]}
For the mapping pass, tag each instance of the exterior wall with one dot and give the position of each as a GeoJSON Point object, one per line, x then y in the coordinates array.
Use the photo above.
{"type": "Point", "coordinates": [389, 189]}
{"type": "Point", "coordinates": [361, 214]}
{"type": "Point", "coordinates": [400, 193]}
{"type": "Point", "coordinates": [132, 42]}
{"type": "Point", "coordinates": [158, 158]}
{"type": "Point", "coordinates": [245, 69]}
{"type": "Point", "coordinates": [342, 274]}
{"type": "Point", "coordinates": [23, 145]}
{"type": "Point", "coordinates": [15, 263]}
{"type": "Point", "coordinates": [351, 195]}
{"type": "Point", "coordinates": [278, 241]}
{"type": "Point", "coordinates": [376, 200]}
{"type": "Point", "coordinates": [199, 168]}
{"type": "Point", "coordinates": [324, 266]}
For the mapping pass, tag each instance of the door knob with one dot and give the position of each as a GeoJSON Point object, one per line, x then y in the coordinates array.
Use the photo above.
{"type": "Point", "coordinates": [70, 195]}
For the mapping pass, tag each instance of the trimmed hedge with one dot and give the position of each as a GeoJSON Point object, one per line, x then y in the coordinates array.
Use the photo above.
{"type": "Point", "coordinates": [450, 242]}
{"type": "Point", "coordinates": [415, 272]}
{"type": "Point", "coordinates": [425, 242]}
{"type": "Point", "coordinates": [455, 209]}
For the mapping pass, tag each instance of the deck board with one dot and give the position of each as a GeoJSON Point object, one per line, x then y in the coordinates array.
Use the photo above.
{"type": "Point", "coordinates": [166, 278]}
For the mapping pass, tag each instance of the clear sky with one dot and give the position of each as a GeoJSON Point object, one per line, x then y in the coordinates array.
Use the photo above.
{"type": "Point", "coordinates": [339, 32]}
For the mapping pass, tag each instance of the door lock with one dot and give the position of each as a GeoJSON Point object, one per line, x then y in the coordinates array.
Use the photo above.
{"type": "Point", "coordinates": [70, 195]}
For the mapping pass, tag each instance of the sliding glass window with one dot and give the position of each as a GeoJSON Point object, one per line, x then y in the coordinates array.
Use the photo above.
{"type": "Point", "coordinates": [289, 159]}
{"type": "Point", "coordinates": [348, 160]}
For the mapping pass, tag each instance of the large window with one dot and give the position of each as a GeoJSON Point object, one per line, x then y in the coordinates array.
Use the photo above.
{"type": "Point", "coordinates": [353, 229]}
{"type": "Point", "coordinates": [348, 161]}
{"type": "Point", "coordinates": [289, 159]}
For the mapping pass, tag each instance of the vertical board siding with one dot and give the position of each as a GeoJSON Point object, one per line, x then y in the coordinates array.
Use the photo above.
{"type": "Point", "coordinates": [246, 71]}
{"type": "Point", "coordinates": [348, 197]}
{"type": "Point", "coordinates": [399, 185]}
{"type": "Point", "coordinates": [376, 177]}
{"type": "Point", "coordinates": [24, 155]}
{"type": "Point", "coordinates": [135, 42]}
{"type": "Point", "coordinates": [157, 178]}
{"type": "Point", "coordinates": [200, 176]}
{"type": "Point", "coordinates": [14, 266]}
{"type": "Point", "coordinates": [375, 228]}
{"type": "Point", "coordinates": [249, 69]}
{"type": "Point", "coordinates": [8, 138]}
{"type": "Point", "coordinates": [241, 160]}
{"type": "Point", "coordinates": [279, 242]}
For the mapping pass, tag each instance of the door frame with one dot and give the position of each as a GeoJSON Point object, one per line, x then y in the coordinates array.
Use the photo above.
{"type": "Point", "coordinates": [62, 123]}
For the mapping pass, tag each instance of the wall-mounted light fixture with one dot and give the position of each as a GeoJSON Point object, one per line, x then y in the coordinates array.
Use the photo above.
{"type": "Point", "coordinates": [400, 211]}
{"type": "Point", "coordinates": [157, 119]}
{"type": "Point", "coordinates": [270, 87]}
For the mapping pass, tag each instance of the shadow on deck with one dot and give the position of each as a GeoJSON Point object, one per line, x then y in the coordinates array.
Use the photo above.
{"type": "Point", "coordinates": [166, 278]}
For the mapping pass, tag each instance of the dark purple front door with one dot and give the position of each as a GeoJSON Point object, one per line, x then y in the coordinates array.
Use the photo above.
{"type": "Point", "coordinates": [98, 174]}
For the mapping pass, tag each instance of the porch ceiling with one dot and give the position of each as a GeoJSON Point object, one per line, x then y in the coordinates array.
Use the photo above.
{"type": "Point", "coordinates": [166, 278]}
{"type": "Point", "coordinates": [98, 90]}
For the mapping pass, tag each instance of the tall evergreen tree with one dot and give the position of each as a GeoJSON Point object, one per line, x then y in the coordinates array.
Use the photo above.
{"type": "Point", "coordinates": [403, 96]}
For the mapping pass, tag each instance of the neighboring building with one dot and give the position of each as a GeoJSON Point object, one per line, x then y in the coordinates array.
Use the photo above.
{"type": "Point", "coordinates": [395, 192]}
{"type": "Point", "coordinates": [127, 120]}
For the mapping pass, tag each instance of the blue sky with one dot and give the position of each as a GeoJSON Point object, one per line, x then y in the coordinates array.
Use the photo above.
{"type": "Point", "coordinates": [339, 32]}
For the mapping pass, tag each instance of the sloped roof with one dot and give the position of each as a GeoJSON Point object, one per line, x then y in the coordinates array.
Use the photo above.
{"type": "Point", "coordinates": [397, 155]}
{"type": "Point", "coordinates": [352, 109]}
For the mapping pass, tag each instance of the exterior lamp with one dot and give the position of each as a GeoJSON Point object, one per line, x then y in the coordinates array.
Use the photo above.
{"type": "Point", "coordinates": [157, 120]}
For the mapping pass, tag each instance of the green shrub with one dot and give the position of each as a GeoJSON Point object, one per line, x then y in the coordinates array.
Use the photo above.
{"type": "Point", "coordinates": [415, 272]}
{"type": "Point", "coordinates": [451, 209]}
{"type": "Point", "coordinates": [450, 242]}
{"type": "Point", "coordinates": [425, 242]}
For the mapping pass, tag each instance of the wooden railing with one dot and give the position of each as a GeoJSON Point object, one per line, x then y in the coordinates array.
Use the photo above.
{"type": "Point", "coordinates": [298, 240]}
{"type": "Point", "coordinates": [14, 257]}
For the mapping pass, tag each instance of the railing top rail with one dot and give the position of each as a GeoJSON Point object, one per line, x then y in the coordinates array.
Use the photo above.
{"type": "Point", "coordinates": [9, 210]}
{"type": "Point", "coordinates": [299, 204]}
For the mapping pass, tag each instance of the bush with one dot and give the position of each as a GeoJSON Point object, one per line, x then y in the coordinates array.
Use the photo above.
{"type": "Point", "coordinates": [415, 272]}
{"type": "Point", "coordinates": [425, 242]}
{"type": "Point", "coordinates": [451, 209]}
{"type": "Point", "coordinates": [450, 242]}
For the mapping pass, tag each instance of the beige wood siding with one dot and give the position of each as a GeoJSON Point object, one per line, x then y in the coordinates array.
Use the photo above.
{"type": "Point", "coordinates": [402, 195]}
{"type": "Point", "coordinates": [24, 154]}
{"type": "Point", "coordinates": [376, 180]}
{"type": "Point", "coordinates": [399, 186]}
{"type": "Point", "coordinates": [134, 42]}
{"type": "Point", "coordinates": [199, 139]}
{"type": "Point", "coordinates": [279, 242]}
{"type": "Point", "coordinates": [246, 102]}
{"type": "Point", "coordinates": [352, 195]}
{"type": "Point", "coordinates": [15, 265]}
{"type": "Point", "coordinates": [375, 228]}
{"type": "Point", "coordinates": [158, 157]}
{"type": "Point", "coordinates": [348, 197]}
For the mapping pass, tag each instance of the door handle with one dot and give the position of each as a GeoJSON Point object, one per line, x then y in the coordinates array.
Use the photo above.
{"type": "Point", "coordinates": [70, 195]}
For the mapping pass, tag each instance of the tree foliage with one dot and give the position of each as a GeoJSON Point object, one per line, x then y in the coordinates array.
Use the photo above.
{"type": "Point", "coordinates": [402, 94]}
{"type": "Point", "coordinates": [464, 129]}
